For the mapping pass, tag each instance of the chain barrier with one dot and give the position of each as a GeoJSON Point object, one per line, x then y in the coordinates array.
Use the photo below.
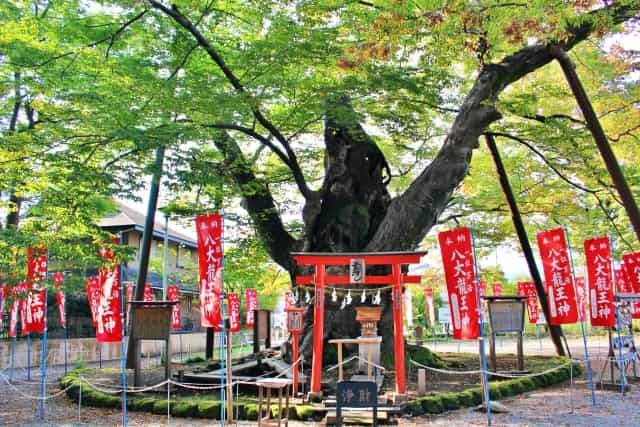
{"type": "Point", "coordinates": [497, 374]}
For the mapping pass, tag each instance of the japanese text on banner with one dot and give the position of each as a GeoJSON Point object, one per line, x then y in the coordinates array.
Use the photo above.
{"type": "Point", "coordinates": [528, 290]}
{"type": "Point", "coordinates": [251, 304]}
{"type": "Point", "coordinates": [457, 257]}
{"type": "Point", "coordinates": [631, 270]}
{"type": "Point", "coordinates": [582, 298]}
{"type": "Point", "coordinates": [598, 256]}
{"type": "Point", "coordinates": [234, 312]}
{"type": "Point", "coordinates": [174, 295]}
{"type": "Point", "coordinates": [209, 229]}
{"type": "Point", "coordinates": [558, 277]}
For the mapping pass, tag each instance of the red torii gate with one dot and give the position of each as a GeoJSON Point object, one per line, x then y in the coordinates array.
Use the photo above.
{"type": "Point", "coordinates": [396, 279]}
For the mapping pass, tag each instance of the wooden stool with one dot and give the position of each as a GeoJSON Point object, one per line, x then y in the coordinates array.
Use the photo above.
{"type": "Point", "coordinates": [274, 383]}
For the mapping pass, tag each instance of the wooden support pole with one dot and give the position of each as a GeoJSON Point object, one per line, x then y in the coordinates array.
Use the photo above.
{"type": "Point", "coordinates": [554, 331]}
{"type": "Point", "coordinates": [599, 137]}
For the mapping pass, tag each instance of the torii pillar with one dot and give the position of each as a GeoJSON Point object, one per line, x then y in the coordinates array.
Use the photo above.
{"type": "Point", "coordinates": [319, 279]}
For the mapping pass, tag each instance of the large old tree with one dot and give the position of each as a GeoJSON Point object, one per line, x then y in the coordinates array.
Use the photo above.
{"type": "Point", "coordinates": [368, 111]}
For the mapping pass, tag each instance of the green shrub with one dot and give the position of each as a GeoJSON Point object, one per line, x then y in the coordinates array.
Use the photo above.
{"type": "Point", "coordinates": [239, 410]}
{"type": "Point", "coordinates": [505, 389]}
{"type": "Point", "coordinates": [432, 404]}
{"type": "Point", "coordinates": [494, 392]}
{"type": "Point", "coordinates": [466, 398]}
{"type": "Point", "coordinates": [160, 406]}
{"type": "Point", "coordinates": [194, 359]}
{"type": "Point", "coordinates": [415, 408]}
{"type": "Point", "coordinates": [209, 409]}
{"type": "Point", "coordinates": [251, 411]}
{"type": "Point", "coordinates": [527, 384]}
{"type": "Point", "coordinates": [143, 404]}
{"type": "Point", "coordinates": [185, 408]}
{"type": "Point", "coordinates": [450, 401]}
{"type": "Point", "coordinates": [303, 412]}
{"type": "Point", "coordinates": [478, 395]}
{"type": "Point", "coordinates": [426, 357]}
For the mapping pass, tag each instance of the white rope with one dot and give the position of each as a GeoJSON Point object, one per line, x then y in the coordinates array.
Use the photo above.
{"type": "Point", "coordinates": [344, 362]}
{"type": "Point", "coordinates": [497, 374]}
{"type": "Point", "coordinates": [30, 396]}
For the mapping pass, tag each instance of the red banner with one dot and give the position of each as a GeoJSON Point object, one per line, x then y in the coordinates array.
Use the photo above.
{"type": "Point", "coordinates": [581, 297]}
{"type": "Point", "coordinates": [430, 307]}
{"type": "Point", "coordinates": [92, 287]}
{"type": "Point", "coordinates": [130, 287]}
{"type": "Point", "coordinates": [209, 228]}
{"type": "Point", "coordinates": [251, 304]}
{"type": "Point", "coordinates": [557, 272]}
{"type": "Point", "coordinates": [147, 296]}
{"type": "Point", "coordinates": [234, 312]}
{"type": "Point", "coordinates": [288, 299]}
{"type": "Point", "coordinates": [483, 288]}
{"type": "Point", "coordinates": [497, 289]}
{"type": "Point", "coordinates": [37, 264]}
{"type": "Point", "coordinates": [109, 326]}
{"type": "Point", "coordinates": [457, 257]}
{"type": "Point", "coordinates": [528, 290]}
{"type": "Point", "coordinates": [13, 318]}
{"type": "Point", "coordinates": [174, 295]}
{"type": "Point", "coordinates": [4, 291]}
{"type": "Point", "coordinates": [18, 309]}
{"type": "Point", "coordinates": [631, 270]}
{"type": "Point", "coordinates": [58, 280]}
{"type": "Point", "coordinates": [598, 256]}
{"type": "Point", "coordinates": [623, 286]}
{"type": "Point", "coordinates": [36, 314]}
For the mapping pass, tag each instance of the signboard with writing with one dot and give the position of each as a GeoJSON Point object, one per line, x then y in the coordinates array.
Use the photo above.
{"type": "Point", "coordinates": [356, 394]}
{"type": "Point", "coordinates": [507, 315]}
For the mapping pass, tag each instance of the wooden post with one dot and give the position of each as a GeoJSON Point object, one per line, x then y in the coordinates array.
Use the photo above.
{"type": "Point", "coordinates": [626, 197]}
{"type": "Point", "coordinates": [340, 378]}
{"type": "Point", "coordinates": [296, 365]}
{"type": "Point", "coordinates": [208, 348]}
{"type": "Point", "coordinates": [554, 331]}
{"type": "Point", "coordinates": [492, 353]}
{"type": "Point", "coordinates": [520, 352]}
{"type": "Point", "coordinates": [318, 330]}
{"type": "Point", "coordinates": [422, 381]}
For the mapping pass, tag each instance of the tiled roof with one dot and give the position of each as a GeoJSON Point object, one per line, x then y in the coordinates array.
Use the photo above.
{"type": "Point", "coordinates": [129, 217]}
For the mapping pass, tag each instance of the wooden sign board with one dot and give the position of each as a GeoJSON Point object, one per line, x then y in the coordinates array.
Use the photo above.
{"type": "Point", "coordinates": [506, 315]}
{"type": "Point", "coordinates": [356, 394]}
{"type": "Point", "coordinates": [151, 323]}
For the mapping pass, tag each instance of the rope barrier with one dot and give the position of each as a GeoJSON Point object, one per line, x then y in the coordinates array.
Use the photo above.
{"type": "Point", "coordinates": [30, 396]}
{"type": "Point", "coordinates": [497, 374]}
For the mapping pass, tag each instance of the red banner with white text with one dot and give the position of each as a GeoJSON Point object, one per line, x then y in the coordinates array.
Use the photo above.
{"type": "Point", "coordinates": [58, 280]}
{"type": "Point", "coordinates": [147, 295]}
{"type": "Point", "coordinates": [288, 299]}
{"type": "Point", "coordinates": [582, 298]}
{"type": "Point", "coordinates": [234, 312]}
{"type": "Point", "coordinates": [558, 277]}
{"type": "Point", "coordinates": [4, 292]}
{"type": "Point", "coordinates": [173, 294]}
{"type": "Point", "coordinates": [109, 326]}
{"type": "Point", "coordinates": [36, 314]}
{"type": "Point", "coordinates": [598, 257]}
{"type": "Point", "coordinates": [209, 229]}
{"type": "Point", "coordinates": [631, 270]}
{"type": "Point", "coordinates": [497, 289]}
{"type": "Point", "coordinates": [92, 286]}
{"type": "Point", "coordinates": [251, 304]}
{"type": "Point", "coordinates": [430, 306]}
{"type": "Point", "coordinates": [457, 257]}
{"type": "Point", "coordinates": [624, 286]}
{"type": "Point", "coordinates": [528, 290]}
{"type": "Point", "coordinates": [37, 264]}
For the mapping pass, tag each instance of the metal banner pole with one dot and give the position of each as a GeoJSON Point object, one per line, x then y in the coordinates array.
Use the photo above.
{"type": "Point", "coordinates": [123, 344]}
{"type": "Point", "coordinates": [483, 357]}
{"type": "Point", "coordinates": [223, 334]}
{"type": "Point", "coordinates": [43, 364]}
{"type": "Point", "coordinates": [13, 358]}
{"type": "Point", "coordinates": [28, 356]}
{"type": "Point", "coordinates": [584, 336]}
{"type": "Point", "coordinates": [623, 378]}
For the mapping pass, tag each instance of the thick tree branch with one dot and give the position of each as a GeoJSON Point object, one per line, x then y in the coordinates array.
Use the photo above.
{"type": "Point", "coordinates": [425, 199]}
{"type": "Point", "coordinates": [259, 201]}
{"type": "Point", "coordinates": [186, 24]}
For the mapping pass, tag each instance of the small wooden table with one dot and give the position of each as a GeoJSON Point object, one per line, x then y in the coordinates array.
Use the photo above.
{"type": "Point", "coordinates": [274, 383]}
